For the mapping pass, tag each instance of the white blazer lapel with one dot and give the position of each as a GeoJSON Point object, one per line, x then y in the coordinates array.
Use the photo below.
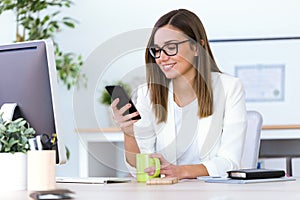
{"type": "Point", "coordinates": [210, 128]}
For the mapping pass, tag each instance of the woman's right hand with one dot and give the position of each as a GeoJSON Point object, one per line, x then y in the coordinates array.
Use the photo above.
{"type": "Point", "coordinates": [124, 121]}
{"type": "Point", "coordinates": [126, 124]}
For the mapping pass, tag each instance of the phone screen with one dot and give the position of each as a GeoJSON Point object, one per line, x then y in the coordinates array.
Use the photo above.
{"type": "Point", "coordinates": [117, 91]}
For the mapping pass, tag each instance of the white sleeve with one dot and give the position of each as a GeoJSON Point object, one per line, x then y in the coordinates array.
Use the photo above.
{"type": "Point", "coordinates": [143, 129]}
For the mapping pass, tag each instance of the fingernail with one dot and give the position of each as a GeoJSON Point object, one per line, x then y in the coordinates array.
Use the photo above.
{"type": "Point", "coordinates": [151, 173]}
{"type": "Point", "coordinates": [147, 170]}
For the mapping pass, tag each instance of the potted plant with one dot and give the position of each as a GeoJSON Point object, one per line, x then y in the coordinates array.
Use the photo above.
{"type": "Point", "coordinates": [105, 99]}
{"type": "Point", "coordinates": [14, 136]}
{"type": "Point", "coordinates": [41, 19]}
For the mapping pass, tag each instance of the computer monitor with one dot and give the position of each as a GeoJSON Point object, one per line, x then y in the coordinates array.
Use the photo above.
{"type": "Point", "coordinates": [28, 77]}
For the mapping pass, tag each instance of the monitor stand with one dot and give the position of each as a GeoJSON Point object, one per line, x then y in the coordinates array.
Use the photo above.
{"type": "Point", "coordinates": [8, 110]}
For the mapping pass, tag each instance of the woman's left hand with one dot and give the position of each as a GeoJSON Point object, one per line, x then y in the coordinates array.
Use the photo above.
{"type": "Point", "coordinates": [166, 168]}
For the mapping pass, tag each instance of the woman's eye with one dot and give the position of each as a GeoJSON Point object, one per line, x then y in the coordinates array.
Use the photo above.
{"type": "Point", "coordinates": [171, 47]}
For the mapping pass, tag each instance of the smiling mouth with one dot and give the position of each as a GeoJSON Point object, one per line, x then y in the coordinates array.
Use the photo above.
{"type": "Point", "coordinates": [168, 67]}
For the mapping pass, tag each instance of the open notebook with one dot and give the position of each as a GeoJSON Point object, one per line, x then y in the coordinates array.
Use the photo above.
{"type": "Point", "coordinates": [93, 180]}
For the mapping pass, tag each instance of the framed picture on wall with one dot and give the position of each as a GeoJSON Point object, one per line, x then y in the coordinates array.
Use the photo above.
{"type": "Point", "coordinates": [262, 82]}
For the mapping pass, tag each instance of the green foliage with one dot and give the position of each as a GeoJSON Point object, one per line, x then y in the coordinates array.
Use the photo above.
{"type": "Point", "coordinates": [68, 153]}
{"type": "Point", "coordinates": [35, 21]}
{"type": "Point", "coordinates": [105, 97]}
{"type": "Point", "coordinates": [69, 67]}
{"type": "Point", "coordinates": [14, 135]}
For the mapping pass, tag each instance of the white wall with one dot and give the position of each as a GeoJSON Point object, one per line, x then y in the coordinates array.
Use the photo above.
{"type": "Point", "coordinates": [102, 20]}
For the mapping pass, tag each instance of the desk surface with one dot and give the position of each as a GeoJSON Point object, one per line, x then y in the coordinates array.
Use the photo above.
{"type": "Point", "coordinates": [191, 189]}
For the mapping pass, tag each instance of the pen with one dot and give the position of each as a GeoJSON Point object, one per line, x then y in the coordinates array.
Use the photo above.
{"type": "Point", "coordinates": [32, 144]}
{"type": "Point", "coordinates": [53, 138]}
{"type": "Point", "coordinates": [39, 142]}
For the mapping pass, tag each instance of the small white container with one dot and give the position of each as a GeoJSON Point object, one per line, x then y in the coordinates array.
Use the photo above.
{"type": "Point", "coordinates": [13, 171]}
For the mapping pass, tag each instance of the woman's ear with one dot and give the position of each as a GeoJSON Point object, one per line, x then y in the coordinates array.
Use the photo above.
{"type": "Point", "coordinates": [196, 47]}
{"type": "Point", "coordinates": [202, 43]}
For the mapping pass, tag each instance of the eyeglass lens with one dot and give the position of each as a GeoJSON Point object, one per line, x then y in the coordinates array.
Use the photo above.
{"type": "Point", "coordinates": [170, 49]}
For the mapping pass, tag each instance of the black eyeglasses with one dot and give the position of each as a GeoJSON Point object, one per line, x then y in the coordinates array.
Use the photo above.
{"type": "Point", "coordinates": [170, 49]}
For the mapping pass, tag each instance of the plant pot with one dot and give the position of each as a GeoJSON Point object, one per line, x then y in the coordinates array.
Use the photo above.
{"type": "Point", "coordinates": [13, 171]}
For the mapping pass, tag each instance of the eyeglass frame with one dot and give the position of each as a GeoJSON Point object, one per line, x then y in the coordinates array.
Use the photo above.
{"type": "Point", "coordinates": [160, 49]}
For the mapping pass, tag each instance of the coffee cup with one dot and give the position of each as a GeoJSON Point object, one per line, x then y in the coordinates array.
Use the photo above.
{"type": "Point", "coordinates": [144, 161]}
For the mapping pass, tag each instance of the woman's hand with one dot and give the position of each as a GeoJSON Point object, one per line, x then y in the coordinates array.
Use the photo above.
{"type": "Point", "coordinates": [166, 168]}
{"type": "Point", "coordinates": [179, 171]}
{"type": "Point", "coordinates": [124, 121]}
{"type": "Point", "coordinates": [126, 124]}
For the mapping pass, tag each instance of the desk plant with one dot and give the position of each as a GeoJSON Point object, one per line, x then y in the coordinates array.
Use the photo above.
{"type": "Point", "coordinates": [14, 137]}
{"type": "Point", "coordinates": [40, 19]}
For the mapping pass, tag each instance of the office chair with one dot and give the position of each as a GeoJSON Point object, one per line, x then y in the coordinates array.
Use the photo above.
{"type": "Point", "coordinates": [252, 140]}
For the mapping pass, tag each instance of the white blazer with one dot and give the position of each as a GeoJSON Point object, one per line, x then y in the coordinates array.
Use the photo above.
{"type": "Point", "coordinates": [220, 136]}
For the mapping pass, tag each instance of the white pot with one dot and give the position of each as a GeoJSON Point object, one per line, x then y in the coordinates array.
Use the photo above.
{"type": "Point", "coordinates": [13, 171]}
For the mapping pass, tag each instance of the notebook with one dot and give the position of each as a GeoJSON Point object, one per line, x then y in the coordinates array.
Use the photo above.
{"type": "Point", "coordinates": [92, 180]}
{"type": "Point", "coordinates": [241, 181]}
{"type": "Point", "coordinates": [255, 173]}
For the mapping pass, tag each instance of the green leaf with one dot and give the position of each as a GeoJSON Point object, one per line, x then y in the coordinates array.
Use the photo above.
{"type": "Point", "coordinates": [22, 123]}
{"type": "Point", "coordinates": [18, 120]}
{"type": "Point", "coordinates": [29, 131]}
{"type": "Point", "coordinates": [12, 142]}
{"type": "Point", "coordinates": [55, 13]}
{"type": "Point", "coordinates": [46, 18]}
{"type": "Point", "coordinates": [12, 129]}
{"type": "Point", "coordinates": [2, 127]}
{"type": "Point", "coordinates": [69, 24]}
{"type": "Point", "coordinates": [3, 141]}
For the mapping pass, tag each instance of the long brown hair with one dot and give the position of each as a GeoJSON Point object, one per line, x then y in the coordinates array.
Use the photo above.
{"type": "Point", "coordinates": [189, 24]}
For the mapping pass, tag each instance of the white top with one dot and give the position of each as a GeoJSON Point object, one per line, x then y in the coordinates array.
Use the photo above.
{"type": "Point", "coordinates": [218, 140]}
{"type": "Point", "coordinates": [186, 142]}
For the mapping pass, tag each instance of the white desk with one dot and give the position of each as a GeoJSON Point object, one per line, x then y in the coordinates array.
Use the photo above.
{"type": "Point", "coordinates": [186, 189]}
{"type": "Point", "coordinates": [115, 135]}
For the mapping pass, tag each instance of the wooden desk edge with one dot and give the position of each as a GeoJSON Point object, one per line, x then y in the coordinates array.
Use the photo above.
{"type": "Point", "coordinates": [117, 129]}
{"type": "Point", "coordinates": [281, 127]}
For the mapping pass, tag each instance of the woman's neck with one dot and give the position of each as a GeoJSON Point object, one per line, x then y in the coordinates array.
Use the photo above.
{"type": "Point", "coordinates": [183, 91]}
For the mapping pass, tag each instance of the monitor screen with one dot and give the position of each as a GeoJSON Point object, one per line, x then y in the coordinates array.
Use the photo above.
{"type": "Point", "coordinates": [28, 77]}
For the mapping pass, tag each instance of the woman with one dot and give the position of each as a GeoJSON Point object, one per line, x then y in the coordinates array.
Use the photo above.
{"type": "Point", "coordinates": [193, 116]}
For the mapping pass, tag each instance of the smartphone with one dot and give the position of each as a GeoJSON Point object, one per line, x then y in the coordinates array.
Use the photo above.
{"type": "Point", "coordinates": [117, 91]}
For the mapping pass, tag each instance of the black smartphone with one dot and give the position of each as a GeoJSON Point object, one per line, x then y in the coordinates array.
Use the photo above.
{"type": "Point", "coordinates": [117, 91]}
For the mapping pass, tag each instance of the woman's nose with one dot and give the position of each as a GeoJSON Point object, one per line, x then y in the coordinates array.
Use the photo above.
{"type": "Point", "coordinates": [163, 56]}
